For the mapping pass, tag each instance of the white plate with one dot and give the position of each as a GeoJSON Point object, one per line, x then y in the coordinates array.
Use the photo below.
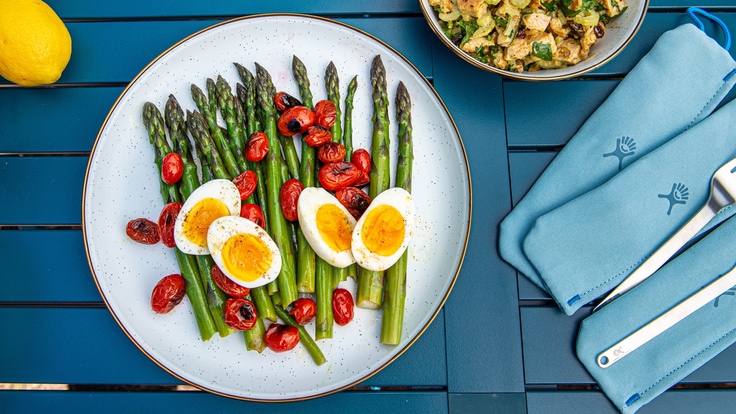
{"type": "Point", "coordinates": [122, 184]}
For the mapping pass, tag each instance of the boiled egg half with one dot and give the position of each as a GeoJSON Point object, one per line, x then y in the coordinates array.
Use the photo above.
{"type": "Point", "coordinates": [384, 230]}
{"type": "Point", "coordinates": [243, 251]}
{"type": "Point", "coordinates": [327, 225]}
{"type": "Point", "coordinates": [210, 201]}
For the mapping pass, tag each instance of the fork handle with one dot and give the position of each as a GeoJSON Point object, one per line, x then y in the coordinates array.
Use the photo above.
{"type": "Point", "coordinates": [661, 255]}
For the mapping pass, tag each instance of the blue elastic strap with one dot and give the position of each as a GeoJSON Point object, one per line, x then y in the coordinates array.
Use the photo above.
{"type": "Point", "coordinates": [694, 11]}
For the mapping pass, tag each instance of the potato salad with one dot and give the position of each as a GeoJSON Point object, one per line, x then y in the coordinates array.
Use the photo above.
{"type": "Point", "coordinates": [526, 35]}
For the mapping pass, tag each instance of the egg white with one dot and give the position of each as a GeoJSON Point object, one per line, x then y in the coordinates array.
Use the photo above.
{"type": "Point", "coordinates": [226, 227]}
{"type": "Point", "coordinates": [402, 201]}
{"type": "Point", "coordinates": [220, 189]}
{"type": "Point", "coordinates": [310, 200]}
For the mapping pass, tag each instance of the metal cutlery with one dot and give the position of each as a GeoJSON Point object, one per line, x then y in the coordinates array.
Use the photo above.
{"type": "Point", "coordinates": [722, 194]}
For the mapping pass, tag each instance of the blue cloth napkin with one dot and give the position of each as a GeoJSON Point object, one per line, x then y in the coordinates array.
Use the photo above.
{"type": "Point", "coordinates": [650, 370]}
{"type": "Point", "coordinates": [666, 93]}
{"type": "Point", "coordinates": [589, 245]}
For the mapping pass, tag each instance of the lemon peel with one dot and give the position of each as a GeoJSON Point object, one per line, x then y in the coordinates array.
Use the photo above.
{"type": "Point", "coordinates": [35, 45]}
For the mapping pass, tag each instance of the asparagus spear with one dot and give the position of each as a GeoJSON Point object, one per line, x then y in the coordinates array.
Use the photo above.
{"type": "Point", "coordinates": [195, 291]}
{"type": "Point", "coordinates": [370, 283]}
{"type": "Point", "coordinates": [233, 119]}
{"type": "Point", "coordinates": [304, 336]}
{"type": "Point", "coordinates": [332, 85]}
{"type": "Point", "coordinates": [306, 265]}
{"type": "Point", "coordinates": [348, 124]}
{"type": "Point", "coordinates": [217, 137]}
{"type": "Point", "coordinates": [247, 95]}
{"type": "Point", "coordinates": [347, 137]}
{"type": "Point", "coordinates": [395, 289]}
{"type": "Point", "coordinates": [277, 223]}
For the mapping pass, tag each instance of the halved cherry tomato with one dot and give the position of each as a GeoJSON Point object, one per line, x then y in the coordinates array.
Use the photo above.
{"type": "Point", "coordinates": [303, 310]}
{"type": "Point", "coordinates": [240, 314]}
{"type": "Point", "coordinates": [143, 230]}
{"type": "Point", "coordinates": [290, 192]}
{"type": "Point", "coordinates": [336, 175]}
{"type": "Point", "coordinates": [281, 338]}
{"type": "Point", "coordinates": [257, 147]}
{"type": "Point", "coordinates": [172, 168]}
{"type": "Point", "coordinates": [246, 183]}
{"type": "Point", "coordinates": [317, 136]}
{"type": "Point", "coordinates": [166, 221]}
{"type": "Point", "coordinates": [168, 292]}
{"type": "Point", "coordinates": [284, 101]}
{"type": "Point", "coordinates": [342, 306]}
{"type": "Point", "coordinates": [362, 159]}
{"type": "Point", "coordinates": [354, 199]}
{"type": "Point", "coordinates": [230, 288]}
{"type": "Point", "coordinates": [254, 213]}
{"type": "Point", "coordinates": [325, 113]}
{"type": "Point", "coordinates": [331, 152]}
{"type": "Point", "coordinates": [295, 120]}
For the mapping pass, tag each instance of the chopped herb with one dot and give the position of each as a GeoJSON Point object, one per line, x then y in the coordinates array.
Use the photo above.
{"type": "Point", "coordinates": [551, 6]}
{"type": "Point", "coordinates": [542, 50]}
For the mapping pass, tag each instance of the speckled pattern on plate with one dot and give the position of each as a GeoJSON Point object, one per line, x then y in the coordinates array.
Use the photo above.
{"type": "Point", "coordinates": [122, 184]}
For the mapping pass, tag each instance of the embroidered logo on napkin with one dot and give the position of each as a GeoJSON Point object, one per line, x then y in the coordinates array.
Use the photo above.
{"type": "Point", "coordinates": [679, 194]}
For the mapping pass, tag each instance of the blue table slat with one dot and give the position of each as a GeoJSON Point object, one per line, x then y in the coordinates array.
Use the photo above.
{"type": "Point", "coordinates": [485, 293]}
{"type": "Point", "coordinates": [671, 402]}
{"type": "Point", "coordinates": [554, 361]}
{"type": "Point", "coordinates": [137, 43]}
{"type": "Point", "coordinates": [86, 346]}
{"type": "Point", "coordinates": [184, 402]}
{"type": "Point", "coordinates": [66, 127]}
{"type": "Point", "coordinates": [81, 9]}
{"type": "Point", "coordinates": [549, 121]}
{"type": "Point", "coordinates": [44, 190]}
{"type": "Point", "coordinates": [47, 266]}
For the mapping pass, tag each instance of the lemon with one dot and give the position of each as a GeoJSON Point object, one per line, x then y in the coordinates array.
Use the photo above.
{"type": "Point", "coordinates": [35, 45]}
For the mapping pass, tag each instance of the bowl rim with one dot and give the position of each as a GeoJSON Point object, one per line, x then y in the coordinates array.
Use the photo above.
{"type": "Point", "coordinates": [431, 19]}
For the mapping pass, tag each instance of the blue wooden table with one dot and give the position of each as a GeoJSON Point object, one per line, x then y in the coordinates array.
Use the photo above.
{"type": "Point", "coordinates": [498, 345]}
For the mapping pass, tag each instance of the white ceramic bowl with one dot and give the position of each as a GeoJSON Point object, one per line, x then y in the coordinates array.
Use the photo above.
{"type": "Point", "coordinates": [619, 33]}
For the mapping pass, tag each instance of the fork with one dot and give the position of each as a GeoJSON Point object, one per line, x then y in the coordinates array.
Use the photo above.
{"type": "Point", "coordinates": [722, 194]}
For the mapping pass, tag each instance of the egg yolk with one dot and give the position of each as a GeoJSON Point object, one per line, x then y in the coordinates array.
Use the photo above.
{"type": "Point", "coordinates": [200, 217]}
{"type": "Point", "coordinates": [383, 230]}
{"type": "Point", "coordinates": [334, 227]}
{"type": "Point", "coordinates": [246, 257]}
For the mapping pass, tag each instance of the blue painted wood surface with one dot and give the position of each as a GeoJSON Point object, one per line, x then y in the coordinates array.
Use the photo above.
{"type": "Point", "coordinates": [499, 345]}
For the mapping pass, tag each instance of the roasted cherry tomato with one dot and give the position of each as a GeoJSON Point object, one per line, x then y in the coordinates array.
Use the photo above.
{"type": "Point", "coordinates": [143, 230]}
{"type": "Point", "coordinates": [281, 338]}
{"type": "Point", "coordinates": [325, 114]}
{"type": "Point", "coordinates": [166, 223]}
{"type": "Point", "coordinates": [317, 136]}
{"type": "Point", "coordinates": [246, 183]}
{"type": "Point", "coordinates": [230, 288]}
{"type": "Point", "coordinates": [168, 292]}
{"type": "Point", "coordinates": [331, 152]}
{"type": "Point", "coordinates": [303, 310]}
{"type": "Point", "coordinates": [336, 175]}
{"type": "Point", "coordinates": [354, 199]}
{"type": "Point", "coordinates": [257, 147]}
{"type": "Point", "coordinates": [295, 120]}
{"type": "Point", "coordinates": [240, 314]}
{"type": "Point", "coordinates": [362, 180]}
{"type": "Point", "coordinates": [284, 101]}
{"type": "Point", "coordinates": [342, 306]}
{"type": "Point", "coordinates": [172, 168]}
{"type": "Point", "coordinates": [362, 159]}
{"type": "Point", "coordinates": [254, 213]}
{"type": "Point", "coordinates": [290, 192]}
